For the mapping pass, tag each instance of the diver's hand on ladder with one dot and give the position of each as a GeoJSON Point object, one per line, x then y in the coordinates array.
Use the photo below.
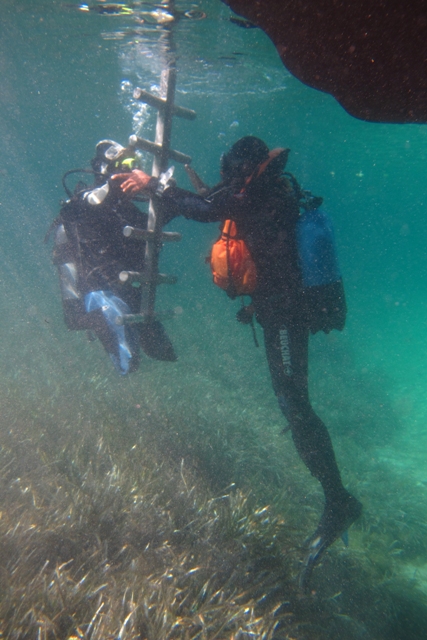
{"type": "Point", "coordinates": [133, 182]}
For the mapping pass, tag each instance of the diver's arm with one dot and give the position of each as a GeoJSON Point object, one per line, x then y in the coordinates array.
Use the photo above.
{"type": "Point", "coordinates": [175, 202]}
{"type": "Point", "coordinates": [178, 202]}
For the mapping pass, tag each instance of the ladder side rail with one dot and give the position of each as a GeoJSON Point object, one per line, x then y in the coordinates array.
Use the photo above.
{"type": "Point", "coordinates": [160, 162]}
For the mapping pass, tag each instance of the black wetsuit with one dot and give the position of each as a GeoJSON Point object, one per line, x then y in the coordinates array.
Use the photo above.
{"type": "Point", "coordinates": [95, 244]}
{"type": "Point", "coordinates": [98, 246]}
{"type": "Point", "coordinates": [266, 214]}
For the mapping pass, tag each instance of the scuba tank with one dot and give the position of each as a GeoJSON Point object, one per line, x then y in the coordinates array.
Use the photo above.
{"type": "Point", "coordinates": [324, 298]}
{"type": "Point", "coordinates": [316, 249]}
{"type": "Point", "coordinates": [66, 266]}
{"type": "Point", "coordinates": [64, 259]}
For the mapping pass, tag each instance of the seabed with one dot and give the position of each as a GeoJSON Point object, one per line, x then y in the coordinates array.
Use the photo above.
{"type": "Point", "coordinates": [183, 516]}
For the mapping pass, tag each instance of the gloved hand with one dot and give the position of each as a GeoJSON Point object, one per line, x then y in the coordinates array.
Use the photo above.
{"type": "Point", "coordinates": [244, 315]}
{"type": "Point", "coordinates": [133, 182]}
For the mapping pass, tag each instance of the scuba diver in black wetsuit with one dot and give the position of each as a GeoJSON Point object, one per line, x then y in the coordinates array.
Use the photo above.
{"type": "Point", "coordinates": [265, 206]}
{"type": "Point", "coordinates": [91, 251]}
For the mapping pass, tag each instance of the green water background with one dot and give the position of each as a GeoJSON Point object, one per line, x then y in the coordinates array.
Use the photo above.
{"type": "Point", "coordinates": [62, 75]}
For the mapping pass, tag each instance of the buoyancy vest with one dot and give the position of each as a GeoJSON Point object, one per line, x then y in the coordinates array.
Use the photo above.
{"type": "Point", "coordinates": [234, 270]}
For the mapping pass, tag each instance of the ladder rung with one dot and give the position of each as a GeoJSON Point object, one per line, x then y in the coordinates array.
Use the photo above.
{"type": "Point", "coordinates": [127, 318]}
{"type": "Point", "coordinates": [141, 277]}
{"type": "Point", "coordinates": [160, 103]}
{"type": "Point", "coordinates": [156, 149]}
{"type": "Point", "coordinates": [144, 234]}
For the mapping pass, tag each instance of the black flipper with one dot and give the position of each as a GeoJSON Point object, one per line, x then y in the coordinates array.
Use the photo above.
{"type": "Point", "coordinates": [155, 342]}
{"type": "Point", "coordinates": [335, 520]}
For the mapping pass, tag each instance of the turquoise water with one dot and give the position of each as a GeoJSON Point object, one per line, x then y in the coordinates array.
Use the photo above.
{"type": "Point", "coordinates": [66, 82]}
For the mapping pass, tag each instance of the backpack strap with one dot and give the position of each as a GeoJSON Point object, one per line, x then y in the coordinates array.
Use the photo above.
{"type": "Point", "coordinates": [245, 315]}
{"type": "Point", "coordinates": [276, 162]}
{"type": "Point", "coordinates": [231, 289]}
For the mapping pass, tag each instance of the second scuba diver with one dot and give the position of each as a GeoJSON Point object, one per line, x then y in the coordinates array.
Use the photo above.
{"type": "Point", "coordinates": [265, 206]}
{"type": "Point", "coordinates": [91, 251]}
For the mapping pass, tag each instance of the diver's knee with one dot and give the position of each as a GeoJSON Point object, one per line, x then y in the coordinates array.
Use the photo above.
{"type": "Point", "coordinates": [296, 414]}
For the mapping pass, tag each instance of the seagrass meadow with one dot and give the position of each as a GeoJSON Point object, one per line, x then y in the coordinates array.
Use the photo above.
{"type": "Point", "coordinates": [171, 503]}
{"type": "Point", "coordinates": [161, 521]}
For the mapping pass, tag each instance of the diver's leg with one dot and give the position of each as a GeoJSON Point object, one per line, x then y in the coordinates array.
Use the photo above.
{"type": "Point", "coordinates": [287, 353]}
{"type": "Point", "coordinates": [75, 316]}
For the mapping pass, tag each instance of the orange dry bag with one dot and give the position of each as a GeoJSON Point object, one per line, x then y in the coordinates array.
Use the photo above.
{"type": "Point", "coordinates": [232, 266]}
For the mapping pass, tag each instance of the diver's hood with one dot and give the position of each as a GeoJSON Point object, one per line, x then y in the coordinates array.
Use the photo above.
{"type": "Point", "coordinates": [244, 156]}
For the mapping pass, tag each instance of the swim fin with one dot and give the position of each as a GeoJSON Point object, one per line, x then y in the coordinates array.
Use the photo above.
{"type": "Point", "coordinates": [334, 523]}
{"type": "Point", "coordinates": [155, 342]}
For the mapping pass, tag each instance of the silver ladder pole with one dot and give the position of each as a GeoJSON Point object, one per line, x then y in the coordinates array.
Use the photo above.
{"type": "Point", "coordinates": [160, 164]}
{"type": "Point", "coordinates": [162, 152]}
